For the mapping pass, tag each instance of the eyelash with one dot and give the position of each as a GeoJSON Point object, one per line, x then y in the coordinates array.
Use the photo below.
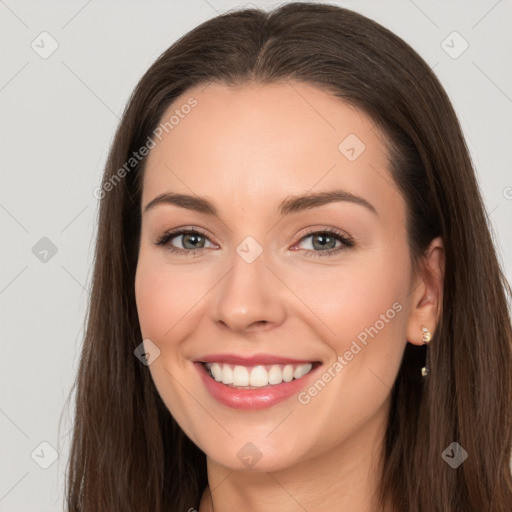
{"type": "Point", "coordinates": [347, 242]}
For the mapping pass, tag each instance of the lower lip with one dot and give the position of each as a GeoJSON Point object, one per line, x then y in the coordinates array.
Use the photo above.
{"type": "Point", "coordinates": [252, 398]}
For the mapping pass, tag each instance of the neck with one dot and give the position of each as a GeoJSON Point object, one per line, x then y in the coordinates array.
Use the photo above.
{"type": "Point", "coordinates": [343, 478]}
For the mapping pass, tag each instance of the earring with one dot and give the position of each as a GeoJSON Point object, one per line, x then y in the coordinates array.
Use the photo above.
{"type": "Point", "coordinates": [426, 341]}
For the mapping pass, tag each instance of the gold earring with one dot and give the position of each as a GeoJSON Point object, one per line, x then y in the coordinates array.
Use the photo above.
{"type": "Point", "coordinates": [426, 341]}
{"type": "Point", "coordinates": [426, 334]}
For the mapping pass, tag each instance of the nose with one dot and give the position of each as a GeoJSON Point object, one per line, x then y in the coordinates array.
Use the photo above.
{"type": "Point", "coordinates": [249, 298]}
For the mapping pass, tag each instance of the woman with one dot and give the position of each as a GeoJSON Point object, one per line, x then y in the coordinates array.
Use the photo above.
{"type": "Point", "coordinates": [289, 218]}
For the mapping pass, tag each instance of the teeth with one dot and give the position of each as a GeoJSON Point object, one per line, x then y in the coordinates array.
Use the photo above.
{"type": "Point", "coordinates": [288, 373]}
{"type": "Point", "coordinates": [256, 376]}
{"type": "Point", "coordinates": [240, 376]}
{"type": "Point", "coordinates": [275, 375]}
{"type": "Point", "coordinates": [300, 371]}
{"type": "Point", "coordinates": [227, 374]}
{"type": "Point", "coordinates": [216, 371]}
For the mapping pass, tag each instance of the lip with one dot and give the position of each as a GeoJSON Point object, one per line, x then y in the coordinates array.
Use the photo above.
{"type": "Point", "coordinates": [254, 399]}
{"type": "Point", "coordinates": [252, 360]}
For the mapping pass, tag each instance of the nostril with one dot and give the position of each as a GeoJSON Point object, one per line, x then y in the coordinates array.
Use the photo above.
{"type": "Point", "coordinates": [259, 322]}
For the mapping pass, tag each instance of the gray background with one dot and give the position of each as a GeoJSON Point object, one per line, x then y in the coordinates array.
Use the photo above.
{"type": "Point", "coordinates": [58, 116]}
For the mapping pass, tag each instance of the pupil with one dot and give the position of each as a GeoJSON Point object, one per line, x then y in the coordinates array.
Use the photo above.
{"type": "Point", "coordinates": [192, 236]}
{"type": "Point", "coordinates": [325, 240]}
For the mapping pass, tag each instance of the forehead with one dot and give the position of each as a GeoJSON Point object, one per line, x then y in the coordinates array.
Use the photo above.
{"type": "Point", "coordinates": [253, 144]}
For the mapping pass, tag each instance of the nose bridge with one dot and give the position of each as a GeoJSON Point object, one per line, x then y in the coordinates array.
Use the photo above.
{"type": "Point", "coordinates": [249, 293]}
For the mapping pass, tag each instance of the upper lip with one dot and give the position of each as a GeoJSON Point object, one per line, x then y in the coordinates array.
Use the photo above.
{"type": "Point", "coordinates": [253, 360]}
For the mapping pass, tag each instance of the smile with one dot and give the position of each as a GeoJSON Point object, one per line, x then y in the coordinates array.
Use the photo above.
{"type": "Point", "coordinates": [255, 386]}
{"type": "Point", "coordinates": [259, 376]}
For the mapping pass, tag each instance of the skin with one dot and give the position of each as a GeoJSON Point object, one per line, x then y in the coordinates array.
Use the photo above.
{"type": "Point", "coordinates": [247, 148]}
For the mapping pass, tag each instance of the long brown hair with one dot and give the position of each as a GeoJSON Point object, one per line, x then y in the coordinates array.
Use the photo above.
{"type": "Point", "coordinates": [128, 453]}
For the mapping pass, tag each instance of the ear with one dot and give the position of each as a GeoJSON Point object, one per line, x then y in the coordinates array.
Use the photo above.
{"type": "Point", "coordinates": [427, 293]}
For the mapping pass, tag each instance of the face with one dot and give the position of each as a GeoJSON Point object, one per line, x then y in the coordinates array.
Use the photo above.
{"type": "Point", "coordinates": [265, 286]}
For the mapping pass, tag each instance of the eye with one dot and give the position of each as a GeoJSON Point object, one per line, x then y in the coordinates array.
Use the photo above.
{"type": "Point", "coordinates": [194, 239]}
{"type": "Point", "coordinates": [325, 241]}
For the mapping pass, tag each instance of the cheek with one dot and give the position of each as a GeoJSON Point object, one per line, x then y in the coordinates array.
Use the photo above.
{"type": "Point", "coordinates": [161, 303]}
{"type": "Point", "coordinates": [366, 314]}
{"type": "Point", "coordinates": [155, 300]}
{"type": "Point", "coordinates": [163, 295]}
{"type": "Point", "coordinates": [366, 293]}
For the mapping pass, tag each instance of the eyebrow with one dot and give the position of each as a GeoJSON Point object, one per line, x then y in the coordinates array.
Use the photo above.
{"type": "Point", "coordinates": [291, 204]}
